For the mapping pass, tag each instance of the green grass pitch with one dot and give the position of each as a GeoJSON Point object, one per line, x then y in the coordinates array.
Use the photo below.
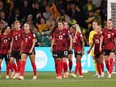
{"type": "Point", "coordinates": [47, 79]}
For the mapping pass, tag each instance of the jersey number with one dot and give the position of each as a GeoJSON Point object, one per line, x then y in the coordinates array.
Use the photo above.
{"type": "Point", "coordinates": [109, 35]}
{"type": "Point", "coordinates": [5, 41]}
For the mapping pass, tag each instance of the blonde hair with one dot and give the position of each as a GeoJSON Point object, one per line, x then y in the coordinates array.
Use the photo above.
{"type": "Point", "coordinates": [77, 28]}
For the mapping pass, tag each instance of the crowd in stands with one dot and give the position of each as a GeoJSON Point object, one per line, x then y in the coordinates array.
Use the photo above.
{"type": "Point", "coordinates": [42, 15]}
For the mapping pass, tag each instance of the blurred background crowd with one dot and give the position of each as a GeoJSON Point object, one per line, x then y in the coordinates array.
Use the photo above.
{"type": "Point", "coordinates": [42, 15]}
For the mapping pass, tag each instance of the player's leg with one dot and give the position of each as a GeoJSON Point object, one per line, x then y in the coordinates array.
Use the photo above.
{"type": "Point", "coordinates": [65, 67]}
{"type": "Point", "coordinates": [111, 56]}
{"type": "Point", "coordinates": [32, 58]}
{"type": "Point", "coordinates": [70, 61]}
{"type": "Point", "coordinates": [102, 65]}
{"type": "Point", "coordinates": [12, 63]}
{"type": "Point", "coordinates": [7, 61]}
{"type": "Point", "coordinates": [58, 64]}
{"type": "Point", "coordinates": [18, 63]}
{"type": "Point", "coordinates": [111, 59]}
{"type": "Point", "coordinates": [94, 61]}
{"type": "Point", "coordinates": [1, 58]}
{"type": "Point", "coordinates": [23, 63]}
{"type": "Point", "coordinates": [97, 58]}
{"type": "Point", "coordinates": [78, 63]}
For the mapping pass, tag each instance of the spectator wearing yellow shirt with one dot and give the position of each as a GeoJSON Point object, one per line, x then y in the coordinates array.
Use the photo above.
{"type": "Point", "coordinates": [42, 27]}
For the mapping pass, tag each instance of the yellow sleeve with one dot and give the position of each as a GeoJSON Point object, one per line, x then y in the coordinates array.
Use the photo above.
{"type": "Point", "coordinates": [90, 38]}
{"type": "Point", "coordinates": [91, 34]}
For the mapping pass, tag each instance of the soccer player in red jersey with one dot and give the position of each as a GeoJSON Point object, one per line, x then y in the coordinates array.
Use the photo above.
{"type": "Point", "coordinates": [108, 42]}
{"type": "Point", "coordinates": [16, 48]}
{"type": "Point", "coordinates": [28, 44]}
{"type": "Point", "coordinates": [69, 51]}
{"type": "Point", "coordinates": [78, 45]}
{"type": "Point", "coordinates": [97, 51]}
{"type": "Point", "coordinates": [60, 38]}
{"type": "Point", "coordinates": [53, 48]}
{"type": "Point", "coordinates": [5, 40]}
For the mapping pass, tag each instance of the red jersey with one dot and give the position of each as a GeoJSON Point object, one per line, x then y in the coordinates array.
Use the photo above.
{"type": "Point", "coordinates": [108, 41]}
{"type": "Point", "coordinates": [77, 42]}
{"type": "Point", "coordinates": [17, 38]}
{"type": "Point", "coordinates": [27, 41]}
{"type": "Point", "coordinates": [96, 41]}
{"type": "Point", "coordinates": [5, 41]}
{"type": "Point", "coordinates": [61, 38]}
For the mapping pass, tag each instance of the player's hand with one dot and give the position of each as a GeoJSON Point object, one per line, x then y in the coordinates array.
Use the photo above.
{"type": "Point", "coordinates": [100, 49]}
{"type": "Point", "coordinates": [70, 48]}
{"type": "Point", "coordinates": [88, 51]}
{"type": "Point", "coordinates": [51, 49]}
{"type": "Point", "coordinates": [82, 52]}
{"type": "Point", "coordinates": [30, 51]}
{"type": "Point", "coordinates": [9, 51]}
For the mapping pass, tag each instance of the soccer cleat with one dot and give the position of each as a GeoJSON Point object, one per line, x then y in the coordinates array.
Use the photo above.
{"type": "Point", "coordinates": [65, 75]}
{"type": "Point", "coordinates": [7, 76]}
{"type": "Point", "coordinates": [58, 77]}
{"type": "Point", "coordinates": [16, 76]}
{"type": "Point", "coordinates": [20, 78]}
{"type": "Point", "coordinates": [73, 75]}
{"type": "Point", "coordinates": [12, 75]}
{"type": "Point", "coordinates": [98, 76]}
{"type": "Point", "coordinates": [102, 74]}
{"type": "Point", "coordinates": [34, 77]}
{"type": "Point", "coordinates": [109, 76]}
{"type": "Point", "coordinates": [80, 76]}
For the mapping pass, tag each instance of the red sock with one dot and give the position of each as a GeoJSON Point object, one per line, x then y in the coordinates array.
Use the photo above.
{"type": "Point", "coordinates": [0, 68]}
{"type": "Point", "coordinates": [10, 67]}
{"type": "Point", "coordinates": [70, 65]}
{"type": "Point", "coordinates": [107, 64]}
{"type": "Point", "coordinates": [80, 69]}
{"type": "Point", "coordinates": [55, 61]}
{"type": "Point", "coordinates": [18, 66]}
{"type": "Point", "coordinates": [111, 65]}
{"type": "Point", "coordinates": [77, 67]}
{"type": "Point", "coordinates": [22, 68]}
{"type": "Point", "coordinates": [7, 69]}
{"type": "Point", "coordinates": [59, 67]}
{"type": "Point", "coordinates": [14, 67]}
{"type": "Point", "coordinates": [34, 69]}
{"type": "Point", "coordinates": [99, 68]}
{"type": "Point", "coordinates": [65, 67]}
{"type": "Point", "coordinates": [102, 67]}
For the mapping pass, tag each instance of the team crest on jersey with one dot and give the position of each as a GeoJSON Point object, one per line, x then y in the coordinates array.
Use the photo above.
{"type": "Point", "coordinates": [29, 37]}
{"type": "Point", "coordinates": [63, 33]}
{"type": "Point", "coordinates": [74, 40]}
{"type": "Point", "coordinates": [112, 33]}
